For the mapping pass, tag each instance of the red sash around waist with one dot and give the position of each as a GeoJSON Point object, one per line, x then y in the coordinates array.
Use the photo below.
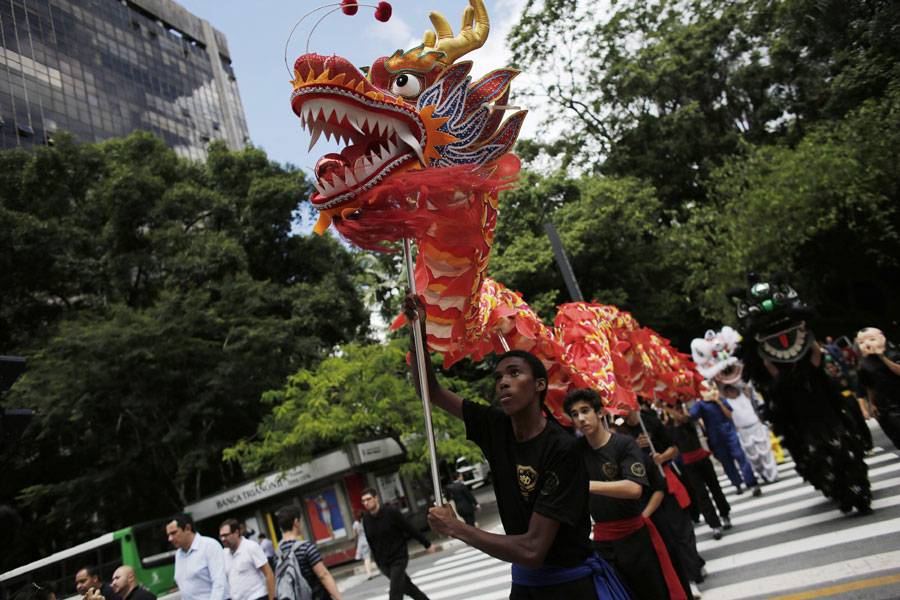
{"type": "Point", "coordinates": [695, 455]}
{"type": "Point", "coordinates": [614, 530]}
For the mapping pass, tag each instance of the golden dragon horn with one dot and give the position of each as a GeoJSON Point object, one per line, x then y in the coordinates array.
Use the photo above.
{"type": "Point", "coordinates": [469, 38]}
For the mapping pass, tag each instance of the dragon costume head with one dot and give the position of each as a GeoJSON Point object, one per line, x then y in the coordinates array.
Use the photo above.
{"type": "Point", "coordinates": [773, 317]}
{"type": "Point", "coordinates": [416, 110]}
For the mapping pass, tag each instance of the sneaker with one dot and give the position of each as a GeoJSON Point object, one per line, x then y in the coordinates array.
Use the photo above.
{"type": "Point", "coordinates": [717, 533]}
{"type": "Point", "coordinates": [726, 523]}
{"type": "Point", "coordinates": [757, 491]}
{"type": "Point", "coordinates": [695, 591]}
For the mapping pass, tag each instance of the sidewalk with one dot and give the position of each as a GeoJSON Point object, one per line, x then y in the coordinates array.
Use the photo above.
{"type": "Point", "coordinates": [351, 574]}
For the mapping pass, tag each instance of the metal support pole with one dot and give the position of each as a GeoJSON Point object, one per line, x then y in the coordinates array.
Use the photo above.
{"type": "Point", "coordinates": [423, 381]}
{"type": "Point", "coordinates": [563, 261]}
{"type": "Point", "coordinates": [652, 449]}
{"type": "Point", "coordinates": [503, 342]}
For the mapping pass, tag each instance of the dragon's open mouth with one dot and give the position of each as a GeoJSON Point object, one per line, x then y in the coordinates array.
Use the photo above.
{"type": "Point", "coordinates": [379, 137]}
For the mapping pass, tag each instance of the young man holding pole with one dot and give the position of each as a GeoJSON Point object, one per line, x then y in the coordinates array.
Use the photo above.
{"type": "Point", "coordinates": [618, 477]}
{"type": "Point", "coordinates": [539, 481]}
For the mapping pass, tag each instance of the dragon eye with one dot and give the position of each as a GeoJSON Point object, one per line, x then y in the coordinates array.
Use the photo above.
{"type": "Point", "coordinates": [406, 85]}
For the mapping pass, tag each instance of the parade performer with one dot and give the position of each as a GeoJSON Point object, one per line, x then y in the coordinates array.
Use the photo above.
{"type": "Point", "coordinates": [539, 481]}
{"type": "Point", "coordinates": [879, 375]}
{"type": "Point", "coordinates": [716, 358]}
{"type": "Point", "coordinates": [781, 355]}
{"type": "Point", "coordinates": [618, 476]}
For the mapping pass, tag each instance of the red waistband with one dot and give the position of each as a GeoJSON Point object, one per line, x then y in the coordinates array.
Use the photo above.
{"type": "Point", "coordinates": [614, 530]}
{"type": "Point", "coordinates": [695, 455]}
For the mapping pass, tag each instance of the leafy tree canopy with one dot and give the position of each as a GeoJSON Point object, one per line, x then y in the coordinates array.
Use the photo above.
{"type": "Point", "coordinates": [156, 299]}
{"type": "Point", "coordinates": [364, 393]}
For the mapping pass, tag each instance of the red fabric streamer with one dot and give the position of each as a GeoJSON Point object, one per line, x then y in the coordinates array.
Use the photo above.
{"type": "Point", "coordinates": [676, 488]}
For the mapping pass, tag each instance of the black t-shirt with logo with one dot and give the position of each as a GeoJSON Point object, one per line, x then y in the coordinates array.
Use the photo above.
{"type": "Point", "coordinates": [619, 459]}
{"type": "Point", "coordinates": [544, 474]}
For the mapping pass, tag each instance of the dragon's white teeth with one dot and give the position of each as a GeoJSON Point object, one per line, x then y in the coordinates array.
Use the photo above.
{"type": "Point", "coordinates": [356, 125]}
{"type": "Point", "coordinates": [325, 188]}
{"type": "Point", "coordinates": [404, 134]}
{"type": "Point", "coordinates": [349, 179]}
{"type": "Point", "coordinates": [319, 187]}
{"type": "Point", "coordinates": [316, 131]}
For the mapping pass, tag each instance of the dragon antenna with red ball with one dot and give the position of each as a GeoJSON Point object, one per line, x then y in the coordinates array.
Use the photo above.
{"type": "Point", "coordinates": [383, 12]}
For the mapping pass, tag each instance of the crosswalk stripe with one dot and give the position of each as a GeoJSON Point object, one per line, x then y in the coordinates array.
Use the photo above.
{"type": "Point", "coordinates": [791, 525]}
{"type": "Point", "coordinates": [480, 566]}
{"type": "Point", "coordinates": [474, 558]}
{"type": "Point", "coordinates": [817, 501]}
{"type": "Point", "coordinates": [870, 460]}
{"type": "Point", "coordinates": [816, 542]}
{"type": "Point", "coordinates": [802, 490]}
{"type": "Point", "coordinates": [461, 591]}
{"type": "Point", "coordinates": [773, 584]}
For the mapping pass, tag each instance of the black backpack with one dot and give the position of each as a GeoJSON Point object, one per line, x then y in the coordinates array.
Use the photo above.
{"type": "Point", "coordinates": [290, 584]}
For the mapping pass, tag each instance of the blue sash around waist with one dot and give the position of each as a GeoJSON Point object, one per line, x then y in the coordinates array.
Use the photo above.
{"type": "Point", "coordinates": [605, 579]}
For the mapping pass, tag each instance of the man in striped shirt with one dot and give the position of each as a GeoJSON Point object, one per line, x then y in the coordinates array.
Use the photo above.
{"type": "Point", "coordinates": [312, 568]}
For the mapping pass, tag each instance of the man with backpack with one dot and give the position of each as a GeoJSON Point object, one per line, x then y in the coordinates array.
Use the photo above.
{"type": "Point", "coordinates": [300, 573]}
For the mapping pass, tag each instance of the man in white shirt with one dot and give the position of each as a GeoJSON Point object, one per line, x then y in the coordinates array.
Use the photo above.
{"type": "Point", "coordinates": [199, 563]}
{"type": "Point", "coordinates": [249, 575]}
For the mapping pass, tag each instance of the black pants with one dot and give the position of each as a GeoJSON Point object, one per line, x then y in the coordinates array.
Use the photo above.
{"type": "Point", "coordinates": [400, 582]}
{"type": "Point", "coordinates": [889, 420]}
{"type": "Point", "coordinates": [469, 518]}
{"type": "Point", "coordinates": [702, 477]}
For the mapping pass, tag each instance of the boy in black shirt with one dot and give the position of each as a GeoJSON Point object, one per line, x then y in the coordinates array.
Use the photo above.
{"type": "Point", "coordinates": [617, 478]}
{"type": "Point", "coordinates": [539, 482]}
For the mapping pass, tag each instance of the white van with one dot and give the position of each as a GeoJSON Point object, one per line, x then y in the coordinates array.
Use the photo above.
{"type": "Point", "coordinates": [473, 475]}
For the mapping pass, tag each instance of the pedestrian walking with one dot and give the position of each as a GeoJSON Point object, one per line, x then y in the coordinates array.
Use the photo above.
{"type": "Point", "coordinates": [249, 575]}
{"type": "Point", "coordinates": [308, 558]}
{"type": "Point", "coordinates": [752, 433]}
{"type": "Point", "coordinates": [363, 550]}
{"type": "Point", "coordinates": [199, 563]}
{"type": "Point", "coordinates": [386, 531]}
{"type": "Point", "coordinates": [466, 504]}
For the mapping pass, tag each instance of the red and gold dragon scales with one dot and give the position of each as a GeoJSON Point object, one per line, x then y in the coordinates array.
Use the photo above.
{"type": "Point", "coordinates": [427, 153]}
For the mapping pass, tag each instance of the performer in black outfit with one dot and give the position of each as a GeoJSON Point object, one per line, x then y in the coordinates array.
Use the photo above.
{"type": "Point", "coordinates": [466, 504]}
{"type": "Point", "coordinates": [698, 469]}
{"type": "Point", "coordinates": [879, 376]}
{"type": "Point", "coordinates": [539, 481]}
{"type": "Point", "coordinates": [622, 536]}
{"type": "Point", "coordinates": [781, 355]}
{"type": "Point", "coordinates": [387, 531]}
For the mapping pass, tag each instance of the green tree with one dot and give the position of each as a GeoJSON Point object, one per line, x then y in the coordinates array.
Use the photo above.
{"type": "Point", "coordinates": [156, 299]}
{"type": "Point", "coordinates": [364, 393]}
{"type": "Point", "coordinates": [617, 238]}
{"type": "Point", "coordinates": [825, 210]}
{"type": "Point", "coordinates": [664, 91]}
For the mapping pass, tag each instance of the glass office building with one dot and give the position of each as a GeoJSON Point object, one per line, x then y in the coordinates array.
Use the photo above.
{"type": "Point", "coordinates": [104, 68]}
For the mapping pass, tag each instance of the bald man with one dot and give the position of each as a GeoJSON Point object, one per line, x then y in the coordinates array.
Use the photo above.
{"type": "Point", "coordinates": [125, 585]}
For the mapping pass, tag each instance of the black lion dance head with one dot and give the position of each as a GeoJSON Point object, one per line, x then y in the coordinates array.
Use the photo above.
{"type": "Point", "coordinates": [773, 315]}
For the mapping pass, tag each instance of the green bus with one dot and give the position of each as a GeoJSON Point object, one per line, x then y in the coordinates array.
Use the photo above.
{"type": "Point", "coordinates": [144, 547]}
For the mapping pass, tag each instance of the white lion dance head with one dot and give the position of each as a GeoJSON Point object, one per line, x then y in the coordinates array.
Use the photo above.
{"type": "Point", "coordinates": [714, 354]}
